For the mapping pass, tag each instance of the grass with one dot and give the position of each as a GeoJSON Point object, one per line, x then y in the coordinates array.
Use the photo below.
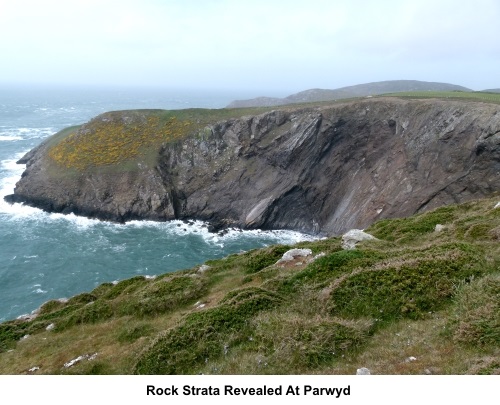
{"type": "Point", "coordinates": [120, 139]}
{"type": "Point", "coordinates": [125, 140]}
{"type": "Point", "coordinates": [415, 293]}
{"type": "Point", "coordinates": [462, 95]}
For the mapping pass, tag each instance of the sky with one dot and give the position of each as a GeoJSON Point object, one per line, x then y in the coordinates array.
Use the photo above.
{"type": "Point", "coordinates": [275, 47]}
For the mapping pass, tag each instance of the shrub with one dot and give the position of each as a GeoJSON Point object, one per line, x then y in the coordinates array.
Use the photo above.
{"type": "Point", "coordinates": [407, 229]}
{"type": "Point", "coordinates": [265, 257]}
{"type": "Point", "coordinates": [477, 312]}
{"type": "Point", "coordinates": [202, 334]}
{"type": "Point", "coordinates": [164, 295]}
{"type": "Point", "coordinates": [292, 342]}
{"type": "Point", "coordinates": [408, 286]}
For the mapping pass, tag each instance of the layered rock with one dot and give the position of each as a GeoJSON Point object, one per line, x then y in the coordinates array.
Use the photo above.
{"type": "Point", "coordinates": [320, 169]}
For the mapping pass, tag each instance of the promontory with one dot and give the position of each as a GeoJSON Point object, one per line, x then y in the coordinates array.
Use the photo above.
{"type": "Point", "coordinates": [321, 168]}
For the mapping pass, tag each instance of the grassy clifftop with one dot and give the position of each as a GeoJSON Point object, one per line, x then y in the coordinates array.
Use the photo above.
{"type": "Point", "coordinates": [418, 300]}
{"type": "Point", "coordinates": [120, 137]}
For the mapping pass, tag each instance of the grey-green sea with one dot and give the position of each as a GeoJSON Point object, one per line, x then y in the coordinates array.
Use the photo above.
{"type": "Point", "coordinates": [47, 256]}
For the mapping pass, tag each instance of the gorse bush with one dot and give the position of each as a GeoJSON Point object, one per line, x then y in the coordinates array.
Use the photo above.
{"type": "Point", "coordinates": [416, 283]}
{"type": "Point", "coordinates": [117, 137]}
{"type": "Point", "coordinates": [477, 312]}
{"type": "Point", "coordinates": [290, 341]}
{"type": "Point", "coordinates": [202, 336]}
{"type": "Point", "coordinates": [407, 229]}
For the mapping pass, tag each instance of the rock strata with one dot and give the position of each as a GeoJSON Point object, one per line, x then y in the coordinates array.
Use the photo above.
{"type": "Point", "coordinates": [321, 169]}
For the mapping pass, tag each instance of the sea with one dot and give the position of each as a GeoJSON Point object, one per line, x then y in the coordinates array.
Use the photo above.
{"type": "Point", "coordinates": [46, 256]}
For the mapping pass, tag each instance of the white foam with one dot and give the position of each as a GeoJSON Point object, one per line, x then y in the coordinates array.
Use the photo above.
{"type": "Point", "coordinates": [10, 138]}
{"type": "Point", "coordinates": [17, 134]}
{"type": "Point", "coordinates": [20, 211]}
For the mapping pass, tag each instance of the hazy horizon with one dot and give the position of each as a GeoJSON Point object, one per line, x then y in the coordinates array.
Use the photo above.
{"type": "Point", "coordinates": [252, 48]}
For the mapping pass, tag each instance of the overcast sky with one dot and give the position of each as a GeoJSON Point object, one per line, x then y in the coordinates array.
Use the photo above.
{"type": "Point", "coordinates": [278, 46]}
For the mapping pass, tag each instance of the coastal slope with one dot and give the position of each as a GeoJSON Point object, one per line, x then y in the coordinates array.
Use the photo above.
{"type": "Point", "coordinates": [317, 169]}
{"type": "Point", "coordinates": [359, 90]}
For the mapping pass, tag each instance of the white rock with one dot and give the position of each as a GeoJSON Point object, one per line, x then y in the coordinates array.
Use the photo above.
{"type": "Point", "coordinates": [350, 238]}
{"type": "Point", "coordinates": [33, 369]}
{"type": "Point", "coordinates": [410, 359]}
{"type": "Point", "coordinates": [439, 228]}
{"type": "Point", "coordinates": [293, 253]}
{"type": "Point", "coordinates": [203, 268]}
{"type": "Point", "coordinates": [497, 205]}
{"type": "Point", "coordinates": [71, 363]}
{"type": "Point", "coordinates": [363, 371]}
{"type": "Point", "coordinates": [89, 357]}
{"type": "Point", "coordinates": [50, 327]}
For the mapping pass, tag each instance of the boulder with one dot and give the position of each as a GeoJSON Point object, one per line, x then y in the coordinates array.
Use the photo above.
{"type": "Point", "coordinates": [352, 237]}
{"type": "Point", "coordinates": [363, 371]}
{"type": "Point", "coordinates": [293, 253]}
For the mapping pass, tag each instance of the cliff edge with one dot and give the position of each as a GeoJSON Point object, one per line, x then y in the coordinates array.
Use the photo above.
{"type": "Point", "coordinates": [318, 169]}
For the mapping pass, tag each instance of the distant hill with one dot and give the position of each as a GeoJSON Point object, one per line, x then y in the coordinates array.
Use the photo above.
{"type": "Point", "coordinates": [360, 90]}
{"type": "Point", "coordinates": [491, 91]}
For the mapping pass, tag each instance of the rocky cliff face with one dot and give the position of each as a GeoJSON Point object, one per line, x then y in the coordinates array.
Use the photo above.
{"type": "Point", "coordinates": [319, 169]}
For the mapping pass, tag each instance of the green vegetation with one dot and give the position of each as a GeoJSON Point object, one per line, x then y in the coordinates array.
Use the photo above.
{"type": "Point", "coordinates": [120, 137]}
{"type": "Point", "coordinates": [122, 140]}
{"type": "Point", "coordinates": [463, 95]}
{"type": "Point", "coordinates": [433, 295]}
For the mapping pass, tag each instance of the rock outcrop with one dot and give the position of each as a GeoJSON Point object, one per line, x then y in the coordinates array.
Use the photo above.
{"type": "Point", "coordinates": [321, 169]}
{"type": "Point", "coordinates": [352, 237]}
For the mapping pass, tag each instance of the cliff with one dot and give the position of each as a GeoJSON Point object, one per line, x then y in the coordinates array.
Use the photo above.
{"type": "Point", "coordinates": [319, 169]}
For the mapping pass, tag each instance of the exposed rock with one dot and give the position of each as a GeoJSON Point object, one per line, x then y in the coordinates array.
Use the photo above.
{"type": "Point", "coordinates": [203, 268]}
{"type": "Point", "coordinates": [439, 228]}
{"type": "Point", "coordinates": [320, 169]}
{"type": "Point", "coordinates": [363, 371]}
{"type": "Point", "coordinates": [199, 305]}
{"type": "Point", "coordinates": [50, 327]}
{"type": "Point", "coordinates": [291, 254]}
{"type": "Point", "coordinates": [351, 238]}
{"type": "Point", "coordinates": [88, 357]}
{"type": "Point", "coordinates": [321, 254]}
{"type": "Point", "coordinates": [497, 205]}
{"type": "Point", "coordinates": [410, 359]}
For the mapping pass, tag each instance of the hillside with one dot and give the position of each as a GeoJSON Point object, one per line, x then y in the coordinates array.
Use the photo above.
{"type": "Point", "coordinates": [319, 169]}
{"type": "Point", "coordinates": [360, 90]}
{"type": "Point", "coordinates": [422, 299]}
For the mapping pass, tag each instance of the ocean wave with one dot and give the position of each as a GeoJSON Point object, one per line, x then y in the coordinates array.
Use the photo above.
{"type": "Point", "coordinates": [6, 138]}
{"type": "Point", "coordinates": [176, 227]}
{"type": "Point", "coordinates": [181, 228]}
{"type": "Point", "coordinates": [18, 134]}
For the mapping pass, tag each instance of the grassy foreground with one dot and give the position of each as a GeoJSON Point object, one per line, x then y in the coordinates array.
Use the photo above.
{"type": "Point", "coordinates": [417, 301]}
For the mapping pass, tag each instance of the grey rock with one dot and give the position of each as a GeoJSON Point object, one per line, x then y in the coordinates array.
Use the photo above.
{"type": "Point", "coordinates": [291, 254]}
{"type": "Point", "coordinates": [321, 169]}
{"type": "Point", "coordinates": [439, 228]}
{"type": "Point", "coordinates": [203, 268]}
{"type": "Point", "coordinates": [363, 371]}
{"type": "Point", "coordinates": [352, 237]}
